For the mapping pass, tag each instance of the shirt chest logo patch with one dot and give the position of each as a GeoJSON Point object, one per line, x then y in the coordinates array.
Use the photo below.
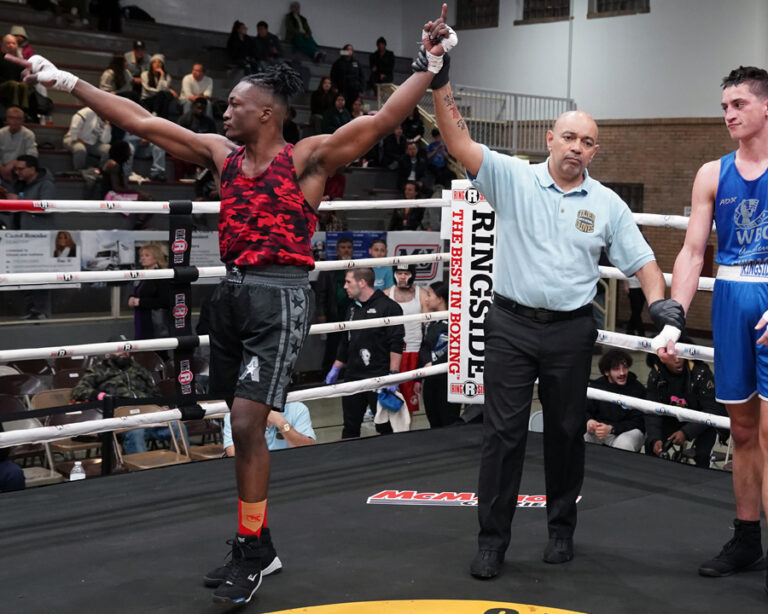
{"type": "Point", "coordinates": [585, 221]}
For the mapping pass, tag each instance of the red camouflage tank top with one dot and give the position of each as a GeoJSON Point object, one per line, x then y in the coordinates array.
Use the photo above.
{"type": "Point", "coordinates": [264, 219]}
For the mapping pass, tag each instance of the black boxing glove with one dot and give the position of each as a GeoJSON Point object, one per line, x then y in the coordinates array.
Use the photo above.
{"type": "Point", "coordinates": [667, 312]}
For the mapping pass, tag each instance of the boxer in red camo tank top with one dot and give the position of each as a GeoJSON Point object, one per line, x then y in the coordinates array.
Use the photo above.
{"type": "Point", "coordinates": [265, 219]}
{"type": "Point", "coordinates": [269, 191]}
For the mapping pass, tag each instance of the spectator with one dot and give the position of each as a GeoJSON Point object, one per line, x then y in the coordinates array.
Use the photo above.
{"type": "Point", "coordinates": [15, 140]}
{"type": "Point", "coordinates": [266, 47]}
{"type": "Point", "coordinates": [156, 93]}
{"type": "Point", "coordinates": [434, 351]}
{"type": "Point", "coordinates": [347, 75]}
{"type": "Point", "coordinates": [332, 300]}
{"type": "Point", "coordinates": [673, 380]}
{"type": "Point", "coordinates": [64, 246]}
{"type": "Point", "coordinates": [240, 51]}
{"type": "Point", "coordinates": [196, 119]}
{"type": "Point", "coordinates": [413, 127]}
{"type": "Point", "coordinates": [11, 475]}
{"type": "Point", "coordinates": [141, 149]}
{"type": "Point", "coordinates": [609, 424]}
{"type": "Point", "coordinates": [22, 40]}
{"type": "Point", "coordinates": [334, 189]}
{"type": "Point", "coordinates": [88, 134]}
{"type": "Point", "coordinates": [13, 91]}
{"type": "Point", "coordinates": [118, 375]}
{"type": "Point", "coordinates": [117, 79]}
{"type": "Point", "coordinates": [196, 86]}
{"type": "Point", "coordinates": [382, 64]}
{"type": "Point", "coordinates": [365, 353]}
{"type": "Point", "coordinates": [150, 297]}
{"type": "Point", "coordinates": [358, 108]}
{"type": "Point", "coordinates": [298, 33]}
{"type": "Point", "coordinates": [336, 116]}
{"type": "Point", "coordinates": [322, 99]}
{"type": "Point", "coordinates": [290, 429]}
{"type": "Point", "coordinates": [137, 62]}
{"type": "Point", "coordinates": [290, 129]}
{"type": "Point", "coordinates": [384, 277]}
{"type": "Point", "coordinates": [437, 162]}
{"type": "Point", "coordinates": [393, 149]}
{"type": "Point", "coordinates": [412, 300]}
{"type": "Point", "coordinates": [113, 177]}
{"type": "Point", "coordinates": [409, 218]}
{"type": "Point", "coordinates": [32, 182]}
{"type": "Point", "coordinates": [412, 167]}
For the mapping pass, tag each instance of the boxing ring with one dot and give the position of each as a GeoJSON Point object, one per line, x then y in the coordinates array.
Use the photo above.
{"type": "Point", "coordinates": [377, 519]}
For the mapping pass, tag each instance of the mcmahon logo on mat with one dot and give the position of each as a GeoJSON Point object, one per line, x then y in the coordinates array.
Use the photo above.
{"type": "Point", "coordinates": [448, 498]}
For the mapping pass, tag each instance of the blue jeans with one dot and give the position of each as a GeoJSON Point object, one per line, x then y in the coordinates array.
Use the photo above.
{"type": "Point", "coordinates": [11, 476]}
{"type": "Point", "coordinates": [136, 440]}
{"type": "Point", "coordinates": [144, 152]}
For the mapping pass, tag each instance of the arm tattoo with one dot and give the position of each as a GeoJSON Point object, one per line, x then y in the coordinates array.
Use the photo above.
{"type": "Point", "coordinates": [461, 124]}
{"type": "Point", "coordinates": [448, 98]}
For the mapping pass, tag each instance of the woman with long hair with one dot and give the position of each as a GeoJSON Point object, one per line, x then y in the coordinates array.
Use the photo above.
{"type": "Point", "coordinates": [156, 92]}
{"type": "Point", "coordinates": [321, 100]}
{"type": "Point", "coordinates": [240, 52]}
{"type": "Point", "coordinates": [65, 246]}
{"type": "Point", "coordinates": [117, 79]}
{"type": "Point", "coordinates": [150, 297]}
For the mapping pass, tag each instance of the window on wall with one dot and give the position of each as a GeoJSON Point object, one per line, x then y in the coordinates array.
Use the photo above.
{"type": "Point", "coordinates": [538, 11]}
{"type": "Point", "coordinates": [613, 8]}
{"type": "Point", "coordinates": [630, 193]}
{"type": "Point", "coordinates": [471, 14]}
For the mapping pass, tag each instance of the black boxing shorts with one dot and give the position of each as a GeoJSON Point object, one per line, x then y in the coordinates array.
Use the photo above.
{"type": "Point", "coordinates": [259, 318]}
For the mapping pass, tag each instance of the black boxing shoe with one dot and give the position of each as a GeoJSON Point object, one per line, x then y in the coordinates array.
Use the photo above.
{"type": "Point", "coordinates": [744, 552]}
{"type": "Point", "coordinates": [270, 562]}
{"type": "Point", "coordinates": [244, 577]}
{"type": "Point", "coordinates": [486, 564]}
{"type": "Point", "coordinates": [558, 550]}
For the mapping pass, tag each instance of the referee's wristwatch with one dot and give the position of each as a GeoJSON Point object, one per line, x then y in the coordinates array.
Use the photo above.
{"type": "Point", "coordinates": [285, 428]}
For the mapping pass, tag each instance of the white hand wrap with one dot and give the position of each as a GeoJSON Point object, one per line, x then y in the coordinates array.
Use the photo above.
{"type": "Point", "coordinates": [50, 76]}
{"type": "Point", "coordinates": [435, 62]}
{"type": "Point", "coordinates": [667, 334]}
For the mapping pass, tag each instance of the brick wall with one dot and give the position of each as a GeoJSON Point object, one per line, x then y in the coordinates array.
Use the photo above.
{"type": "Point", "coordinates": [664, 155]}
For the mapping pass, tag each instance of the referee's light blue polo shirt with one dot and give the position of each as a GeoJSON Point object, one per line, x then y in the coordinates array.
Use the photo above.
{"type": "Point", "coordinates": [548, 242]}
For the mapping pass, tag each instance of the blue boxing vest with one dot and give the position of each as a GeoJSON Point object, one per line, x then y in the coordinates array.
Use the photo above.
{"type": "Point", "coordinates": [741, 215]}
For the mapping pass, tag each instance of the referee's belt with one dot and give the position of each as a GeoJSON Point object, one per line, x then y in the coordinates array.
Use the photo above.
{"type": "Point", "coordinates": [539, 314]}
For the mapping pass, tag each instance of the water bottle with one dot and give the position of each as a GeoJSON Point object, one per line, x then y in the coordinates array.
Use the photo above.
{"type": "Point", "coordinates": [77, 473]}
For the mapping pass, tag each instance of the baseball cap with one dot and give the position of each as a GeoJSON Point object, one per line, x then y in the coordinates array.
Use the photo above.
{"type": "Point", "coordinates": [138, 44]}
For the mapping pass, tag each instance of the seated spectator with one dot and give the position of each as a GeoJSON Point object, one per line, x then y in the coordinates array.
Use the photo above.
{"type": "Point", "coordinates": [118, 375]}
{"type": "Point", "coordinates": [13, 91]}
{"type": "Point", "coordinates": [156, 93]}
{"type": "Point", "coordinates": [196, 119]}
{"type": "Point", "coordinates": [22, 40]}
{"type": "Point", "coordinates": [437, 162]}
{"type": "Point", "coordinates": [196, 86]}
{"type": "Point", "coordinates": [141, 149]}
{"type": "Point", "coordinates": [117, 79]}
{"type": "Point", "coordinates": [137, 62]}
{"type": "Point", "coordinates": [299, 34]}
{"type": "Point", "coordinates": [434, 351]}
{"type": "Point", "coordinates": [240, 51]}
{"type": "Point", "coordinates": [673, 380]}
{"type": "Point", "coordinates": [413, 126]}
{"type": "Point", "coordinates": [291, 428]}
{"type": "Point", "coordinates": [31, 182]}
{"type": "Point", "coordinates": [393, 149]}
{"type": "Point", "coordinates": [382, 64]}
{"type": "Point", "coordinates": [336, 116]}
{"type": "Point", "coordinates": [347, 75]}
{"type": "Point", "coordinates": [290, 129]}
{"type": "Point", "coordinates": [114, 184]}
{"type": "Point", "coordinates": [15, 140]}
{"type": "Point", "coordinates": [88, 134]}
{"type": "Point", "coordinates": [384, 277]}
{"type": "Point", "coordinates": [11, 475]}
{"type": "Point", "coordinates": [266, 47]}
{"type": "Point", "coordinates": [412, 167]}
{"type": "Point", "coordinates": [409, 218]}
{"type": "Point", "coordinates": [609, 424]}
{"type": "Point", "coordinates": [321, 100]}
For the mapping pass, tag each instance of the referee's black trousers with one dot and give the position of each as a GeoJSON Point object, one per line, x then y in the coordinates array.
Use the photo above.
{"type": "Point", "coordinates": [517, 351]}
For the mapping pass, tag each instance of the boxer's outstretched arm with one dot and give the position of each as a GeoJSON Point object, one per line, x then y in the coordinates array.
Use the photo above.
{"type": "Point", "coordinates": [454, 131]}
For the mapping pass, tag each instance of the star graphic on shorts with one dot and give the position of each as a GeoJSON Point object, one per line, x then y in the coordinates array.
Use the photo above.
{"type": "Point", "coordinates": [295, 347]}
{"type": "Point", "coordinates": [298, 301]}
{"type": "Point", "coordinates": [298, 325]}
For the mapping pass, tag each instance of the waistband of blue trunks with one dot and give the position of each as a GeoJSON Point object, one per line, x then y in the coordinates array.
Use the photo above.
{"type": "Point", "coordinates": [749, 271]}
{"type": "Point", "coordinates": [539, 314]}
{"type": "Point", "coordinates": [270, 274]}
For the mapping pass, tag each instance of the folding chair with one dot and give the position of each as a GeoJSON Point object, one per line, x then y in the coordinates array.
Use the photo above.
{"type": "Point", "coordinates": [21, 385]}
{"type": "Point", "coordinates": [34, 366]}
{"type": "Point", "coordinates": [67, 447]}
{"type": "Point", "coordinates": [176, 455]}
{"type": "Point", "coordinates": [67, 378]}
{"type": "Point", "coordinates": [152, 362]}
{"type": "Point", "coordinates": [70, 362]}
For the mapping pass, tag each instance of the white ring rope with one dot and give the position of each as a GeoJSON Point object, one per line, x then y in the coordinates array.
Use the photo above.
{"type": "Point", "coordinates": [90, 427]}
{"type": "Point", "coordinates": [607, 272]}
{"type": "Point", "coordinates": [77, 277]}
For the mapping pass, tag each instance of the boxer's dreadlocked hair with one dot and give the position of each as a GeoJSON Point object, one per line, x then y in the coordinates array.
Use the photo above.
{"type": "Point", "coordinates": [755, 78]}
{"type": "Point", "coordinates": [281, 79]}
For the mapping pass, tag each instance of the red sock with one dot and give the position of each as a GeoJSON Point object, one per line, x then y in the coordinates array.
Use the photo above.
{"type": "Point", "coordinates": [251, 517]}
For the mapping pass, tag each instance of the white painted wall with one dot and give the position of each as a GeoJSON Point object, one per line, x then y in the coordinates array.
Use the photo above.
{"type": "Point", "coordinates": [666, 63]}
